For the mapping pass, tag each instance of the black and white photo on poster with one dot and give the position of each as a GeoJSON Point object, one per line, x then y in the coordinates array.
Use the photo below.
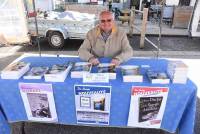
{"type": "Point", "coordinates": [149, 108]}
{"type": "Point", "coordinates": [39, 105]}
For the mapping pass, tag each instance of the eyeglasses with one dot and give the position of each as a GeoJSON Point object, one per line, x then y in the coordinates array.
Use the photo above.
{"type": "Point", "coordinates": [108, 20]}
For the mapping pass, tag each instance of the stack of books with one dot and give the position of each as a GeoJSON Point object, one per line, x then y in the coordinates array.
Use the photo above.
{"type": "Point", "coordinates": [58, 73]}
{"type": "Point", "coordinates": [36, 73]}
{"type": "Point", "coordinates": [107, 68]}
{"type": "Point", "coordinates": [15, 70]}
{"type": "Point", "coordinates": [80, 68]}
{"type": "Point", "coordinates": [131, 73]}
{"type": "Point", "coordinates": [177, 71]}
{"type": "Point", "coordinates": [157, 77]}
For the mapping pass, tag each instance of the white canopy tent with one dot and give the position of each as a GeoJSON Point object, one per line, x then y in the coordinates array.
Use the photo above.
{"type": "Point", "coordinates": [13, 26]}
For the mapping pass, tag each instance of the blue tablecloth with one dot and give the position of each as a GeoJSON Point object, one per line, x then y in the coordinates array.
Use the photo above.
{"type": "Point", "coordinates": [179, 113]}
{"type": "Point", "coordinates": [4, 125]}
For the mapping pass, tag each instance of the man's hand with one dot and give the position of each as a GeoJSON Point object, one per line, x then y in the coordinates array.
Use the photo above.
{"type": "Point", "coordinates": [115, 61]}
{"type": "Point", "coordinates": [94, 61]}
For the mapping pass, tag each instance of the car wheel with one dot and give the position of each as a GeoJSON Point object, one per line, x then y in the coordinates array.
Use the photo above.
{"type": "Point", "coordinates": [56, 40]}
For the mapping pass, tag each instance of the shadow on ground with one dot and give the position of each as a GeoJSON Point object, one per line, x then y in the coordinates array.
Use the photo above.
{"type": "Point", "coordinates": [70, 45]}
{"type": "Point", "coordinates": [167, 44]}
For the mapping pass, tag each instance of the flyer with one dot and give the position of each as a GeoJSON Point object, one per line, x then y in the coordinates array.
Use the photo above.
{"type": "Point", "coordinates": [38, 101]}
{"type": "Point", "coordinates": [147, 106]}
{"type": "Point", "coordinates": [92, 104]}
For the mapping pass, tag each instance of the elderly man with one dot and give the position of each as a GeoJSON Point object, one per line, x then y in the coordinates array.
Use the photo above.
{"type": "Point", "coordinates": [106, 40]}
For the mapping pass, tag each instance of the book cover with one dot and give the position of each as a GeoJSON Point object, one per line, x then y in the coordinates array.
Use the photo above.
{"type": "Point", "coordinates": [15, 70]}
{"type": "Point", "coordinates": [147, 106]}
{"type": "Point", "coordinates": [38, 102]}
{"type": "Point", "coordinates": [131, 73]}
{"type": "Point", "coordinates": [158, 77]}
{"type": "Point", "coordinates": [57, 69]}
{"type": "Point", "coordinates": [36, 73]}
{"type": "Point", "coordinates": [15, 67]}
{"type": "Point", "coordinates": [107, 68]}
{"type": "Point", "coordinates": [58, 72]}
{"type": "Point", "coordinates": [80, 68]}
{"type": "Point", "coordinates": [92, 104]}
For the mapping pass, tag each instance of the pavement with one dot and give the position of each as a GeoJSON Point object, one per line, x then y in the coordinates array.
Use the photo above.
{"type": "Point", "coordinates": [184, 48]}
{"type": "Point", "coordinates": [152, 28]}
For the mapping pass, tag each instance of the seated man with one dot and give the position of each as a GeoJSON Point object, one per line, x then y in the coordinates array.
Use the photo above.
{"type": "Point", "coordinates": [106, 40]}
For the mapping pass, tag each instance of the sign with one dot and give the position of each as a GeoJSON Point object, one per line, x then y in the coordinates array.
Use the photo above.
{"type": "Point", "coordinates": [95, 77]}
{"type": "Point", "coordinates": [92, 104]}
{"type": "Point", "coordinates": [147, 106]}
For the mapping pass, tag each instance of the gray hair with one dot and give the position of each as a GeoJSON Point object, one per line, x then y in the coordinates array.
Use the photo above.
{"type": "Point", "coordinates": [106, 12]}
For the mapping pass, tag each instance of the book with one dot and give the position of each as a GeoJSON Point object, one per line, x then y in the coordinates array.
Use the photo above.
{"type": "Point", "coordinates": [107, 68]}
{"type": "Point", "coordinates": [80, 68]}
{"type": "Point", "coordinates": [92, 104]}
{"type": "Point", "coordinates": [58, 72]}
{"type": "Point", "coordinates": [147, 106]}
{"type": "Point", "coordinates": [177, 71]}
{"type": "Point", "coordinates": [157, 77]}
{"type": "Point", "coordinates": [131, 73]}
{"type": "Point", "coordinates": [15, 70]}
{"type": "Point", "coordinates": [38, 102]}
{"type": "Point", "coordinates": [36, 73]}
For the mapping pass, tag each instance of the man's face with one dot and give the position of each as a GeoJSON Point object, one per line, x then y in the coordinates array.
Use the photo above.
{"type": "Point", "coordinates": [106, 22]}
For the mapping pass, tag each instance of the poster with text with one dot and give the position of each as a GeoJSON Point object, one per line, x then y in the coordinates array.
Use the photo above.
{"type": "Point", "coordinates": [92, 104]}
{"type": "Point", "coordinates": [38, 101]}
{"type": "Point", "coordinates": [147, 106]}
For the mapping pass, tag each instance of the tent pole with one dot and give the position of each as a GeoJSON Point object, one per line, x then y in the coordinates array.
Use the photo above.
{"type": "Point", "coordinates": [36, 28]}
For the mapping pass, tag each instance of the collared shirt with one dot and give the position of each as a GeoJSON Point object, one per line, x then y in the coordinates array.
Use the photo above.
{"type": "Point", "coordinates": [105, 35]}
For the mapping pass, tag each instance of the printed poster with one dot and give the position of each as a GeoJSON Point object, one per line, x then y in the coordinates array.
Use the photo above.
{"type": "Point", "coordinates": [38, 101]}
{"type": "Point", "coordinates": [147, 106]}
{"type": "Point", "coordinates": [92, 104]}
